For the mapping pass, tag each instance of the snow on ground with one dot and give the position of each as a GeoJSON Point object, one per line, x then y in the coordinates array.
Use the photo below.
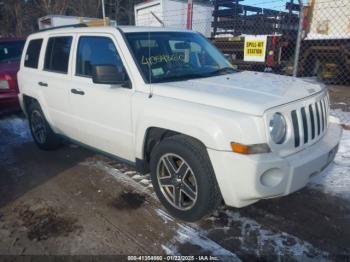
{"type": "Point", "coordinates": [18, 126]}
{"type": "Point", "coordinates": [277, 243]}
{"type": "Point", "coordinates": [336, 178]}
{"type": "Point", "coordinates": [121, 177]}
{"type": "Point", "coordinates": [186, 234]}
{"type": "Point", "coordinates": [344, 117]}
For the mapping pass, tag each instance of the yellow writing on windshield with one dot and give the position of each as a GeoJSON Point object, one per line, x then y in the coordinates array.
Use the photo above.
{"type": "Point", "coordinates": [162, 59]}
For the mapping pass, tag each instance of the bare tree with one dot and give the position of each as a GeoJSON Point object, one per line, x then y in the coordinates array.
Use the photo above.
{"type": "Point", "coordinates": [19, 17]}
{"type": "Point", "coordinates": [58, 7]}
{"type": "Point", "coordinates": [85, 8]}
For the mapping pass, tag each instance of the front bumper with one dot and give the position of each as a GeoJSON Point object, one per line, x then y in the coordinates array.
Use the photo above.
{"type": "Point", "coordinates": [245, 179]}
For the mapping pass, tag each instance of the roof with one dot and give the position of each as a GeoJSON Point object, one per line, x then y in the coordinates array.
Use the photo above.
{"type": "Point", "coordinates": [110, 29]}
{"type": "Point", "coordinates": [67, 16]}
{"type": "Point", "coordinates": [134, 29]}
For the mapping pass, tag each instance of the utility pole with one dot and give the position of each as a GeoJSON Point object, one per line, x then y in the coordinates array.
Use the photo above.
{"type": "Point", "coordinates": [298, 43]}
{"type": "Point", "coordinates": [189, 14]}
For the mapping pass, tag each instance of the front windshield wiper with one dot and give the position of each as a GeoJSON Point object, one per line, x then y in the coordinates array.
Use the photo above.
{"type": "Point", "coordinates": [224, 70]}
{"type": "Point", "coordinates": [175, 78]}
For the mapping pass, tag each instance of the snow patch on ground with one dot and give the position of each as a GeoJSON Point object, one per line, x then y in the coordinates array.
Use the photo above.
{"type": "Point", "coordinates": [119, 176]}
{"type": "Point", "coordinates": [344, 117]}
{"type": "Point", "coordinates": [186, 234]}
{"type": "Point", "coordinates": [17, 126]}
{"type": "Point", "coordinates": [281, 243]}
{"type": "Point", "coordinates": [336, 178]}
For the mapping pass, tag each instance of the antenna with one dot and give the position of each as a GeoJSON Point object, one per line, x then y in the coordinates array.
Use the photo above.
{"type": "Point", "coordinates": [149, 66]}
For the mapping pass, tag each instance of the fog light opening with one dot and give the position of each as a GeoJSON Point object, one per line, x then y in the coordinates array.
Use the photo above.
{"type": "Point", "coordinates": [272, 177]}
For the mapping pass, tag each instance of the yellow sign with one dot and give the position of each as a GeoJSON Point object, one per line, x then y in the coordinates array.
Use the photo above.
{"type": "Point", "coordinates": [254, 48]}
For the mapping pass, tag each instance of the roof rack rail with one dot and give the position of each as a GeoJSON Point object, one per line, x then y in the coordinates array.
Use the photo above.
{"type": "Point", "coordinates": [63, 26]}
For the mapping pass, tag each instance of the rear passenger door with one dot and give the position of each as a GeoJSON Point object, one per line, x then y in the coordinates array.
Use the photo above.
{"type": "Point", "coordinates": [102, 112]}
{"type": "Point", "coordinates": [54, 80]}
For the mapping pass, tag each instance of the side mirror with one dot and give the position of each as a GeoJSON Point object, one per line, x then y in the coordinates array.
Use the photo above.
{"type": "Point", "coordinates": [108, 75]}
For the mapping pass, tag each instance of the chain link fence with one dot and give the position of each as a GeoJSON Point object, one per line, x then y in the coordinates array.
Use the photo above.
{"type": "Point", "coordinates": [262, 35]}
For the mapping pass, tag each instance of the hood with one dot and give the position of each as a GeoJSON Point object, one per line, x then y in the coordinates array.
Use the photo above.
{"type": "Point", "coordinates": [9, 67]}
{"type": "Point", "coordinates": [248, 92]}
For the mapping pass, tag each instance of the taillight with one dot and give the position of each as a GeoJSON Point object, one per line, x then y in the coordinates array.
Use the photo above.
{"type": "Point", "coordinates": [8, 82]}
{"type": "Point", "coordinates": [4, 85]}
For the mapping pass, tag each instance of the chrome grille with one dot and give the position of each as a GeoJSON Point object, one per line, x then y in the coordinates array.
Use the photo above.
{"type": "Point", "coordinates": [310, 122]}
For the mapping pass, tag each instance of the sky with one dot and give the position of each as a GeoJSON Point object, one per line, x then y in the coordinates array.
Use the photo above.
{"type": "Point", "coordinates": [271, 4]}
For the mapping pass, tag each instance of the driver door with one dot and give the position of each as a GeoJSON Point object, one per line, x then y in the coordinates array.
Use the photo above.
{"type": "Point", "coordinates": [102, 111]}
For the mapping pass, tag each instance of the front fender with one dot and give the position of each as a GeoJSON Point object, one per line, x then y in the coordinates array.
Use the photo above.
{"type": "Point", "coordinates": [214, 127]}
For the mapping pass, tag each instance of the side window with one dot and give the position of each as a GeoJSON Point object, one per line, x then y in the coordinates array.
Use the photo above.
{"type": "Point", "coordinates": [57, 54]}
{"type": "Point", "coordinates": [96, 51]}
{"type": "Point", "coordinates": [33, 52]}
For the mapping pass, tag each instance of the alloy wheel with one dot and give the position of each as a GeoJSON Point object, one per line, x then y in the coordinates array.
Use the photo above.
{"type": "Point", "coordinates": [177, 181]}
{"type": "Point", "coordinates": [38, 127]}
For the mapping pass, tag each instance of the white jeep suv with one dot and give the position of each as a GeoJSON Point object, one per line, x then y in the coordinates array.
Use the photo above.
{"type": "Point", "coordinates": [168, 102]}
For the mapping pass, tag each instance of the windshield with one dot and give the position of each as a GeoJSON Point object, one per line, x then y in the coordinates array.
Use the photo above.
{"type": "Point", "coordinates": [176, 56]}
{"type": "Point", "coordinates": [11, 51]}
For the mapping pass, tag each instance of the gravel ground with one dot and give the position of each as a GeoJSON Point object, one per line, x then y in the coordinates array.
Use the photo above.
{"type": "Point", "coordinates": [75, 202]}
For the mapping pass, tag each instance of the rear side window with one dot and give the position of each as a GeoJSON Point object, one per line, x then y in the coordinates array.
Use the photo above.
{"type": "Point", "coordinates": [57, 54]}
{"type": "Point", "coordinates": [33, 52]}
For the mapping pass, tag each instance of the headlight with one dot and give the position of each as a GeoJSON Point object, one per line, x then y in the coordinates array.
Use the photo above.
{"type": "Point", "coordinates": [4, 84]}
{"type": "Point", "coordinates": [278, 128]}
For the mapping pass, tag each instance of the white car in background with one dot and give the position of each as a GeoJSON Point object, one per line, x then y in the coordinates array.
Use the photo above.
{"type": "Point", "coordinates": [168, 102]}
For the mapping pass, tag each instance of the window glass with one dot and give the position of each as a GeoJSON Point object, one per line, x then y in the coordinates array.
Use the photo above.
{"type": "Point", "coordinates": [33, 53]}
{"type": "Point", "coordinates": [96, 51]}
{"type": "Point", "coordinates": [57, 54]}
{"type": "Point", "coordinates": [11, 51]}
{"type": "Point", "coordinates": [176, 56]}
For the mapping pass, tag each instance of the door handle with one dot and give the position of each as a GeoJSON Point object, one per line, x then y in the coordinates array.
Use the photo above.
{"type": "Point", "coordinates": [77, 92]}
{"type": "Point", "coordinates": [43, 84]}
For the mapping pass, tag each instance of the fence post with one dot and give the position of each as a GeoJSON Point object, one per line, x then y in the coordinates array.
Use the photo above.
{"type": "Point", "coordinates": [298, 43]}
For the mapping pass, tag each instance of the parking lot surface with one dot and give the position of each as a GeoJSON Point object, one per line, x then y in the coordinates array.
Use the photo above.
{"type": "Point", "coordinates": [75, 202]}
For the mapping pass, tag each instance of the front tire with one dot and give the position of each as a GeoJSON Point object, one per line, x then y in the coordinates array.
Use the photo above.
{"type": "Point", "coordinates": [183, 178]}
{"type": "Point", "coordinates": [42, 134]}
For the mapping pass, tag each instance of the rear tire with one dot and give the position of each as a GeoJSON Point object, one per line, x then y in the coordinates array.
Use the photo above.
{"type": "Point", "coordinates": [42, 134]}
{"type": "Point", "coordinates": [195, 185]}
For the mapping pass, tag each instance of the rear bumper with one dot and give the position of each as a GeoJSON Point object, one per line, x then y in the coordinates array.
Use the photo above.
{"type": "Point", "coordinates": [244, 179]}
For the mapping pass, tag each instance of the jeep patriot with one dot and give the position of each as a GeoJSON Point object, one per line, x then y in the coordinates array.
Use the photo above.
{"type": "Point", "coordinates": [168, 102]}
